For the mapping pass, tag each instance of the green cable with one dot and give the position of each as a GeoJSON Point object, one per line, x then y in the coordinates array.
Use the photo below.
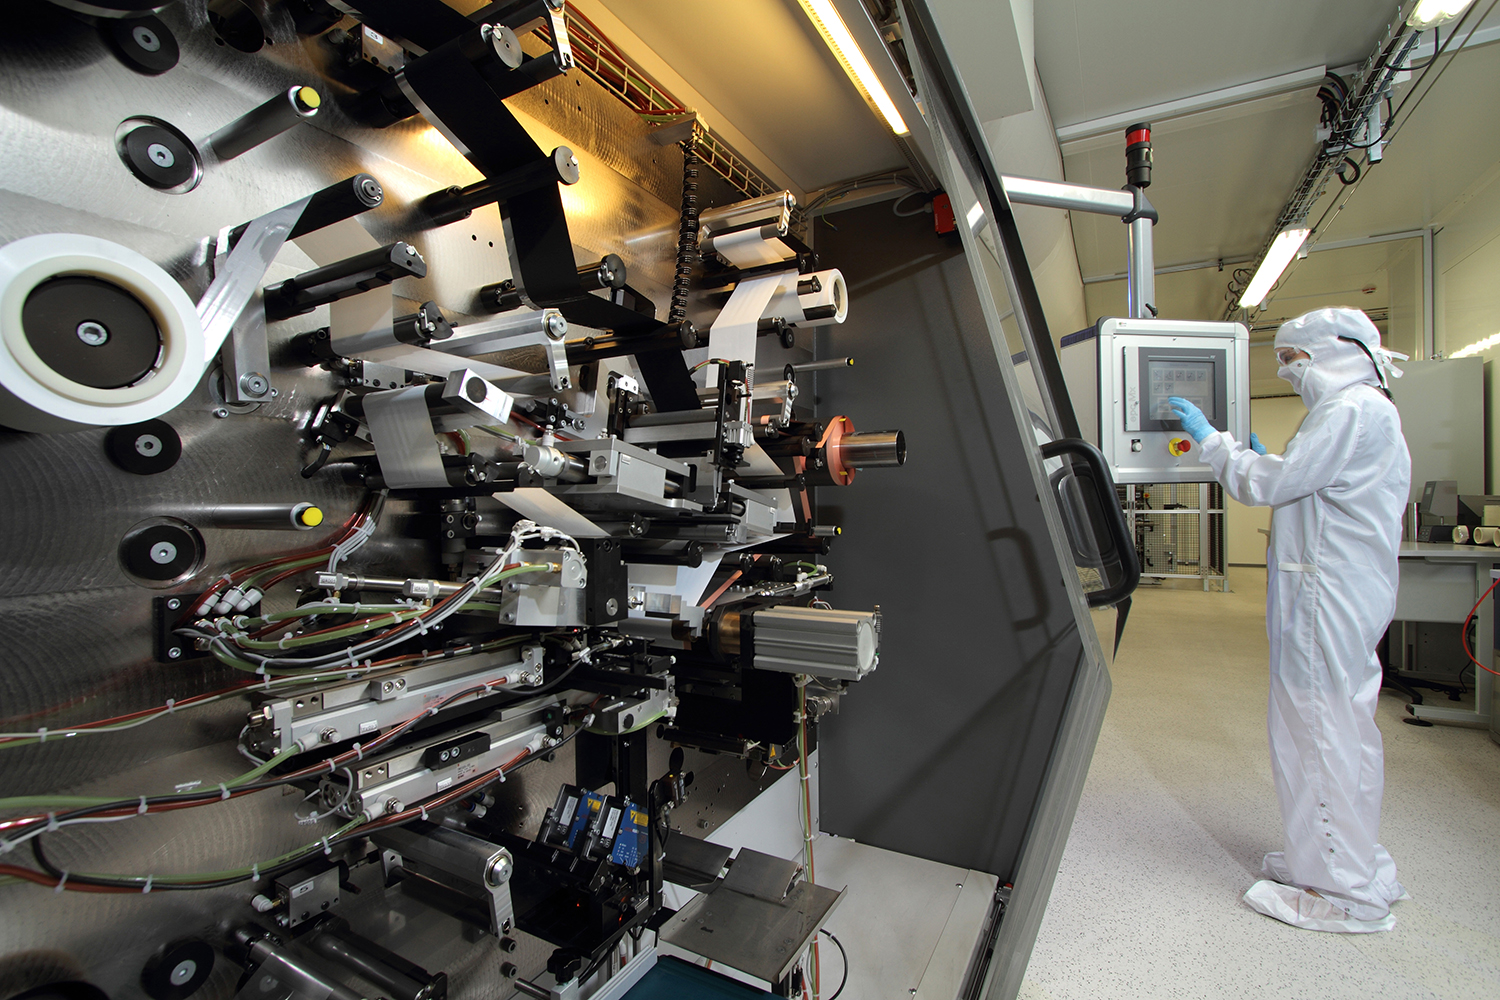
{"type": "Point", "coordinates": [53, 802]}
{"type": "Point", "coordinates": [813, 567]}
{"type": "Point", "coordinates": [232, 872]}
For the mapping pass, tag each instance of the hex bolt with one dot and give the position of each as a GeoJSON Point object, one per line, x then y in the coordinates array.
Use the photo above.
{"type": "Point", "coordinates": [392, 805]}
{"type": "Point", "coordinates": [500, 869]}
{"type": "Point", "coordinates": [254, 384]}
{"type": "Point", "coordinates": [330, 735]}
{"type": "Point", "coordinates": [220, 412]}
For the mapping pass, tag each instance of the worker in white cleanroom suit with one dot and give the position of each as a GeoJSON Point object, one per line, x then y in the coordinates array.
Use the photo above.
{"type": "Point", "coordinates": [1337, 496]}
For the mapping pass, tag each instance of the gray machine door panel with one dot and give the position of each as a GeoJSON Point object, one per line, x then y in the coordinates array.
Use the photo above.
{"type": "Point", "coordinates": [943, 750]}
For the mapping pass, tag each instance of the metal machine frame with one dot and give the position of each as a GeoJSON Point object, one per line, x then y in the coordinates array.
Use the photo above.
{"type": "Point", "coordinates": [421, 499]}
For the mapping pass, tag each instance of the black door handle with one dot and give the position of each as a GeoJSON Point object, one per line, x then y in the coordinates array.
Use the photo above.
{"type": "Point", "coordinates": [1116, 531]}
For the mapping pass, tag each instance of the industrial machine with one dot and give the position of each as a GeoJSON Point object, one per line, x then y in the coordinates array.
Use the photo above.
{"type": "Point", "coordinates": [426, 448]}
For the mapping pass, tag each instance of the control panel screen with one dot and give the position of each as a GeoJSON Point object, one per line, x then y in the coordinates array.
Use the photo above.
{"type": "Point", "coordinates": [1194, 381]}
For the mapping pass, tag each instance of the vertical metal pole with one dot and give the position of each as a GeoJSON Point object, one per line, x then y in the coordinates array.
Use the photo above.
{"type": "Point", "coordinates": [1203, 566]}
{"type": "Point", "coordinates": [1429, 304]}
{"type": "Point", "coordinates": [1140, 282]}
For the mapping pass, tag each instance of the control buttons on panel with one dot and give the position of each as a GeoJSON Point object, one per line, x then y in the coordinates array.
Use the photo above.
{"type": "Point", "coordinates": [1135, 444]}
{"type": "Point", "coordinates": [1179, 446]}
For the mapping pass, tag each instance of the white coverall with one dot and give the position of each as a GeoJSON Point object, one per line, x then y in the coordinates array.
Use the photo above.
{"type": "Point", "coordinates": [1337, 495]}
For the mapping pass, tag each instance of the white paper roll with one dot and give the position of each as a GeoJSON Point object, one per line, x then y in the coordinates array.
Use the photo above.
{"type": "Point", "coordinates": [752, 247]}
{"type": "Point", "coordinates": [1461, 534]}
{"type": "Point", "coordinates": [1486, 536]}
{"type": "Point", "coordinates": [794, 307]}
{"type": "Point", "coordinates": [34, 397]}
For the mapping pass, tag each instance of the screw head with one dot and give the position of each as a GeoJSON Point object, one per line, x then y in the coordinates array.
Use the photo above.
{"type": "Point", "coordinates": [148, 445]}
{"type": "Point", "coordinates": [92, 333]}
{"type": "Point", "coordinates": [500, 869]}
{"type": "Point", "coordinates": [163, 553]}
{"type": "Point", "coordinates": [254, 384]}
{"type": "Point", "coordinates": [173, 603]}
{"type": "Point", "coordinates": [220, 412]}
{"type": "Point", "coordinates": [557, 325]}
{"type": "Point", "coordinates": [160, 155]}
{"type": "Point", "coordinates": [175, 653]}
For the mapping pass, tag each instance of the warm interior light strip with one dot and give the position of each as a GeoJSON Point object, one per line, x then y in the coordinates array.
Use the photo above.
{"type": "Point", "coordinates": [1283, 248]}
{"type": "Point", "coordinates": [826, 19]}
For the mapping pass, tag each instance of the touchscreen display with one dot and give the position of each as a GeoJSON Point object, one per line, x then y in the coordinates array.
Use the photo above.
{"type": "Point", "coordinates": [1192, 380]}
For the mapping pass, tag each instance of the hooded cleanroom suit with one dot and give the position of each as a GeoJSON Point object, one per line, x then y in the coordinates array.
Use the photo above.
{"type": "Point", "coordinates": [1337, 496]}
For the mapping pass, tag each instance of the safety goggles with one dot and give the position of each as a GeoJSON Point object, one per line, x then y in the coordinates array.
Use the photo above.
{"type": "Point", "coordinates": [1286, 355]}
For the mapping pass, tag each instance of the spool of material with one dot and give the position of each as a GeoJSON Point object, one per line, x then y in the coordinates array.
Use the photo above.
{"type": "Point", "coordinates": [1460, 534]}
{"type": "Point", "coordinates": [1486, 536]}
{"type": "Point", "coordinates": [816, 299]}
{"type": "Point", "coordinates": [63, 372]}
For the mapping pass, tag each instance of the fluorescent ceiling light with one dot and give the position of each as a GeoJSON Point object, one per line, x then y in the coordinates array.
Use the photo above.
{"type": "Point", "coordinates": [836, 35]}
{"type": "Point", "coordinates": [1431, 12]}
{"type": "Point", "coordinates": [1283, 248]}
{"type": "Point", "coordinates": [1478, 347]}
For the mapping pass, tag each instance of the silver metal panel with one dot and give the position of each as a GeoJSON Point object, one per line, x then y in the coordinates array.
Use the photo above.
{"type": "Point", "coordinates": [78, 628]}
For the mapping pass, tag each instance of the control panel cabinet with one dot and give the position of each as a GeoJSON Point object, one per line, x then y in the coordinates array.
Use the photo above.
{"type": "Point", "coordinates": [1144, 362]}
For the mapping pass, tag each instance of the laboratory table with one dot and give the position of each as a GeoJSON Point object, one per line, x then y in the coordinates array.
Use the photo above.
{"type": "Point", "coordinates": [1440, 582]}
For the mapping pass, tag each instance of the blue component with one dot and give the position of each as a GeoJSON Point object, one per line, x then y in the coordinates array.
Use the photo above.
{"type": "Point", "coordinates": [588, 805]}
{"type": "Point", "coordinates": [672, 979]}
{"type": "Point", "coordinates": [631, 838]}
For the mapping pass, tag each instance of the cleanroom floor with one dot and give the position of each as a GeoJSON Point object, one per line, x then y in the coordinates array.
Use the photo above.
{"type": "Point", "coordinates": [1179, 808]}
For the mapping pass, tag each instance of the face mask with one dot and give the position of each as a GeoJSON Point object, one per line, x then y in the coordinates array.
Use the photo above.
{"type": "Point", "coordinates": [1294, 373]}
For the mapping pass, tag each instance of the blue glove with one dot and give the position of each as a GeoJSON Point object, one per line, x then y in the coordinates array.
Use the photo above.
{"type": "Point", "coordinates": [1255, 444]}
{"type": "Point", "coordinates": [1193, 420]}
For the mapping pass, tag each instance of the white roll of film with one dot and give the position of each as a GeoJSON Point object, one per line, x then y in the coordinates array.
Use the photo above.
{"type": "Point", "coordinates": [1486, 536]}
{"type": "Point", "coordinates": [49, 379]}
{"type": "Point", "coordinates": [1460, 534]}
{"type": "Point", "coordinates": [816, 299]}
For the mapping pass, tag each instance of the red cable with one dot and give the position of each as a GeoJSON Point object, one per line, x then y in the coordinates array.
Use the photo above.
{"type": "Point", "coordinates": [1464, 635]}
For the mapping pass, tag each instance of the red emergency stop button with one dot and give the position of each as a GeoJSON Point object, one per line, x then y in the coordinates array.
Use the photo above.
{"type": "Point", "coordinates": [1180, 446]}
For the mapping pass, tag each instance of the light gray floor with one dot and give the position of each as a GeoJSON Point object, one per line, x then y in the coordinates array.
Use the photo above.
{"type": "Point", "coordinates": [1179, 809]}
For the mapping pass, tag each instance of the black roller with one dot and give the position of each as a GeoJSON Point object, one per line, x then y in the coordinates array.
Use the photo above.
{"type": "Point", "coordinates": [91, 331]}
{"type": "Point", "coordinates": [178, 970]}
{"type": "Point", "coordinates": [144, 44]}
{"type": "Point", "coordinates": [145, 449]}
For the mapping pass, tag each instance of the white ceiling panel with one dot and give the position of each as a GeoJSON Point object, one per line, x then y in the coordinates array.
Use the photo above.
{"type": "Point", "coordinates": [1102, 57]}
{"type": "Point", "coordinates": [1217, 188]}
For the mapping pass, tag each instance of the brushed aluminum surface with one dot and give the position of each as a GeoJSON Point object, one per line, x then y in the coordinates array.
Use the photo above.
{"type": "Point", "coordinates": [77, 630]}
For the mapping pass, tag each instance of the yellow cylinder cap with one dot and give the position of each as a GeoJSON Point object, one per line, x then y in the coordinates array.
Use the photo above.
{"type": "Point", "coordinates": [309, 97]}
{"type": "Point", "coordinates": [311, 516]}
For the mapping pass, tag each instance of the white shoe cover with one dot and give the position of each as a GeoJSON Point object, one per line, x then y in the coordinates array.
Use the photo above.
{"type": "Point", "coordinates": [1273, 866]}
{"type": "Point", "coordinates": [1301, 908]}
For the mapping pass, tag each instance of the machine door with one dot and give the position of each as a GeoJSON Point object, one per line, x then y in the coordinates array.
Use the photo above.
{"type": "Point", "coordinates": [971, 742]}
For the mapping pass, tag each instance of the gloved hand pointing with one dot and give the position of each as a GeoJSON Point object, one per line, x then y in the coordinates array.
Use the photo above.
{"type": "Point", "coordinates": [1193, 420]}
{"type": "Point", "coordinates": [1255, 444]}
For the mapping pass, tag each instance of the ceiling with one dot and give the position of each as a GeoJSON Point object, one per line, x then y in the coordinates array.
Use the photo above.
{"type": "Point", "coordinates": [1221, 177]}
{"type": "Point", "coordinates": [762, 65]}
